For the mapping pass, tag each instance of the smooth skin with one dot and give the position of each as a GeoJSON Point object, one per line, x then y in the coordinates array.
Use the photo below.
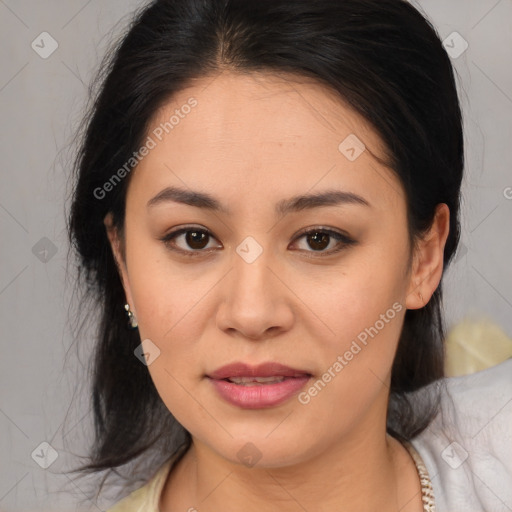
{"type": "Point", "coordinates": [252, 141]}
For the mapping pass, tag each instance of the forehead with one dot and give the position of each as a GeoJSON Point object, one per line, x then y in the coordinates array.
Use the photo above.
{"type": "Point", "coordinates": [247, 129]}
{"type": "Point", "coordinates": [275, 108]}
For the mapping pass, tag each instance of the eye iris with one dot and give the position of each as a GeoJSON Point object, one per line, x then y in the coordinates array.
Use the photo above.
{"type": "Point", "coordinates": [196, 239]}
{"type": "Point", "coordinates": [318, 240]}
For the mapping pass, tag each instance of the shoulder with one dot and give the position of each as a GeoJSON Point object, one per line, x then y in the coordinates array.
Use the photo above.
{"type": "Point", "coordinates": [146, 498]}
{"type": "Point", "coordinates": [133, 502]}
{"type": "Point", "coordinates": [468, 446]}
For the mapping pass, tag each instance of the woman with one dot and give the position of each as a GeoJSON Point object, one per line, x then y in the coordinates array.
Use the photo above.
{"type": "Point", "coordinates": [269, 193]}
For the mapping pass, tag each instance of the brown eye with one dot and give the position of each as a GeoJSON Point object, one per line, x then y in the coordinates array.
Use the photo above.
{"type": "Point", "coordinates": [189, 241]}
{"type": "Point", "coordinates": [192, 241]}
{"type": "Point", "coordinates": [317, 240]}
{"type": "Point", "coordinates": [196, 239]}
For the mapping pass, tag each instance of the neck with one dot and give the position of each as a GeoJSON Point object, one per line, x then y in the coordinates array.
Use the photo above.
{"type": "Point", "coordinates": [362, 472]}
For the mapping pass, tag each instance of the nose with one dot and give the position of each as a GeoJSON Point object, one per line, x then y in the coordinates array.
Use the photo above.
{"type": "Point", "coordinates": [256, 303]}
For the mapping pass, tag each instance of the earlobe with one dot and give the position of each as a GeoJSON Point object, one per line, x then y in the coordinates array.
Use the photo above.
{"type": "Point", "coordinates": [428, 261]}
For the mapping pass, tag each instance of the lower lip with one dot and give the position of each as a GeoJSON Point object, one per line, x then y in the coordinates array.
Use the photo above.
{"type": "Point", "coordinates": [259, 396]}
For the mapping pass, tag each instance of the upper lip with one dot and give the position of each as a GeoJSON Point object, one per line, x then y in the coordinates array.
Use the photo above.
{"type": "Point", "coordinates": [270, 369]}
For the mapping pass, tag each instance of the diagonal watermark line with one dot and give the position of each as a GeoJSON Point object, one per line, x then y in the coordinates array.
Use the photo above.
{"type": "Point", "coordinates": [493, 287]}
{"type": "Point", "coordinates": [78, 487]}
{"type": "Point", "coordinates": [431, 431]}
{"type": "Point", "coordinates": [74, 74]}
{"type": "Point", "coordinates": [73, 427]}
{"type": "Point", "coordinates": [385, 179]}
{"type": "Point", "coordinates": [13, 13]}
{"type": "Point", "coordinates": [492, 81]}
{"type": "Point", "coordinates": [286, 491]}
{"type": "Point", "coordinates": [279, 424]}
{"type": "Point", "coordinates": [197, 302]}
{"type": "Point", "coordinates": [309, 189]}
{"type": "Point", "coordinates": [414, 497]}
{"type": "Point", "coordinates": [212, 80]}
{"type": "Point", "coordinates": [491, 490]}
{"type": "Point", "coordinates": [379, 379]}
{"type": "Point", "coordinates": [14, 423]}
{"type": "Point", "coordinates": [198, 402]}
{"type": "Point", "coordinates": [14, 218]}
{"type": "Point", "coordinates": [348, 127]}
{"type": "Point", "coordinates": [15, 75]}
{"type": "Point", "coordinates": [311, 106]}
{"type": "Point", "coordinates": [301, 301]}
{"type": "Point", "coordinates": [494, 416]}
{"type": "Point", "coordinates": [14, 486]}
{"type": "Point", "coordinates": [413, 291]}
{"type": "Point", "coordinates": [486, 14]}
{"type": "Point", "coordinates": [13, 279]}
{"type": "Point", "coordinates": [75, 15]}
{"type": "Point", "coordinates": [485, 218]}
{"type": "Point", "coordinates": [213, 213]}
{"type": "Point", "coordinates": [216, 487]}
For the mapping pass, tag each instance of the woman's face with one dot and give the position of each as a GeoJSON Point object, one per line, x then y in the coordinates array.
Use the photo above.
{"type": "Point", "coordinates": [247, 284]}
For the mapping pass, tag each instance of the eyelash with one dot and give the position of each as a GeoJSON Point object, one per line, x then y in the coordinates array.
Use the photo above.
{"type": "Point", "coordinates": [343, 240]}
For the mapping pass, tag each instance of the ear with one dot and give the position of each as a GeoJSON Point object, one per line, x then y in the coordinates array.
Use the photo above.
{"type": "Point", "coordinates": [119, 257]}
{"type": "Point", "coordinates": [428, 260]}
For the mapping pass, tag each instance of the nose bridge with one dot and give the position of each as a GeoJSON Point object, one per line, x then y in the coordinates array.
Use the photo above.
{"type": "Point", "coordinates": [252, 276]}
{"type": "Point", "coordinates": [252, 303]}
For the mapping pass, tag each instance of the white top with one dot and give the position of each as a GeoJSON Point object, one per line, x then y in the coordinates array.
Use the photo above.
{"type": "Point", "coordinates": [467, 449]}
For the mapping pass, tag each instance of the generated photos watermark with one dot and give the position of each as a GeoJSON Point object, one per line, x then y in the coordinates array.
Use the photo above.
{"type": "Point", "coordinates": [151, 142]}
{"type": "Point", "coordinates": [356, 346]}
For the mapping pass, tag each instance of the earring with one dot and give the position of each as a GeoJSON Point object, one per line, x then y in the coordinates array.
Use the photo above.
{"type": "Point", "coordinates": [132, 321]}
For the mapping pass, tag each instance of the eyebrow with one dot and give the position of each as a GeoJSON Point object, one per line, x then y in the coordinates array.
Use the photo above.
{"type": "Point", "coordinates": [331, 197]}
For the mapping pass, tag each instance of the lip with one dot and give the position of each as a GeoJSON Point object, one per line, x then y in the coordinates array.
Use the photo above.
{"type": "Point", "coordinates": [258, 396]}
{"type": "Point", "coordinates": [270, 369]}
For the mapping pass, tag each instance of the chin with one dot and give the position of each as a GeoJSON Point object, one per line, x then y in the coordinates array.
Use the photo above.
{"type": "Point", "coordinates": [261, 450]}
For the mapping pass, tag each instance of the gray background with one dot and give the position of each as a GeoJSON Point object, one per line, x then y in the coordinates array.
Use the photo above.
{"type": "Point", "coordinates": [41, 102]}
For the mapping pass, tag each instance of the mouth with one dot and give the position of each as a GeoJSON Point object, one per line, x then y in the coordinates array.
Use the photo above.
{"type": "Point", "coordinates": [256, 387]}
{"type": "Point", "coordinates": [256, 381]}
{"type": "Point", "coordinates": [262, 373]}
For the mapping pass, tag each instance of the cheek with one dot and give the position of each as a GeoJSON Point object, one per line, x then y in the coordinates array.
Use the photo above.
{"type": "Point", "coordinates": [356, 361]}
{"type": "Point", "coordinates": [174, 314]}
{"type": "Point", "coordinates": [173, 317]}
{"type": "Point", "coordinates": [362, 313]}
{"type": "Point", "coordinates": [165, 293]}
{"type": "Point", "coordinates": [363, 334]}
{"type": "Point", "coordinates": [353, 300]}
